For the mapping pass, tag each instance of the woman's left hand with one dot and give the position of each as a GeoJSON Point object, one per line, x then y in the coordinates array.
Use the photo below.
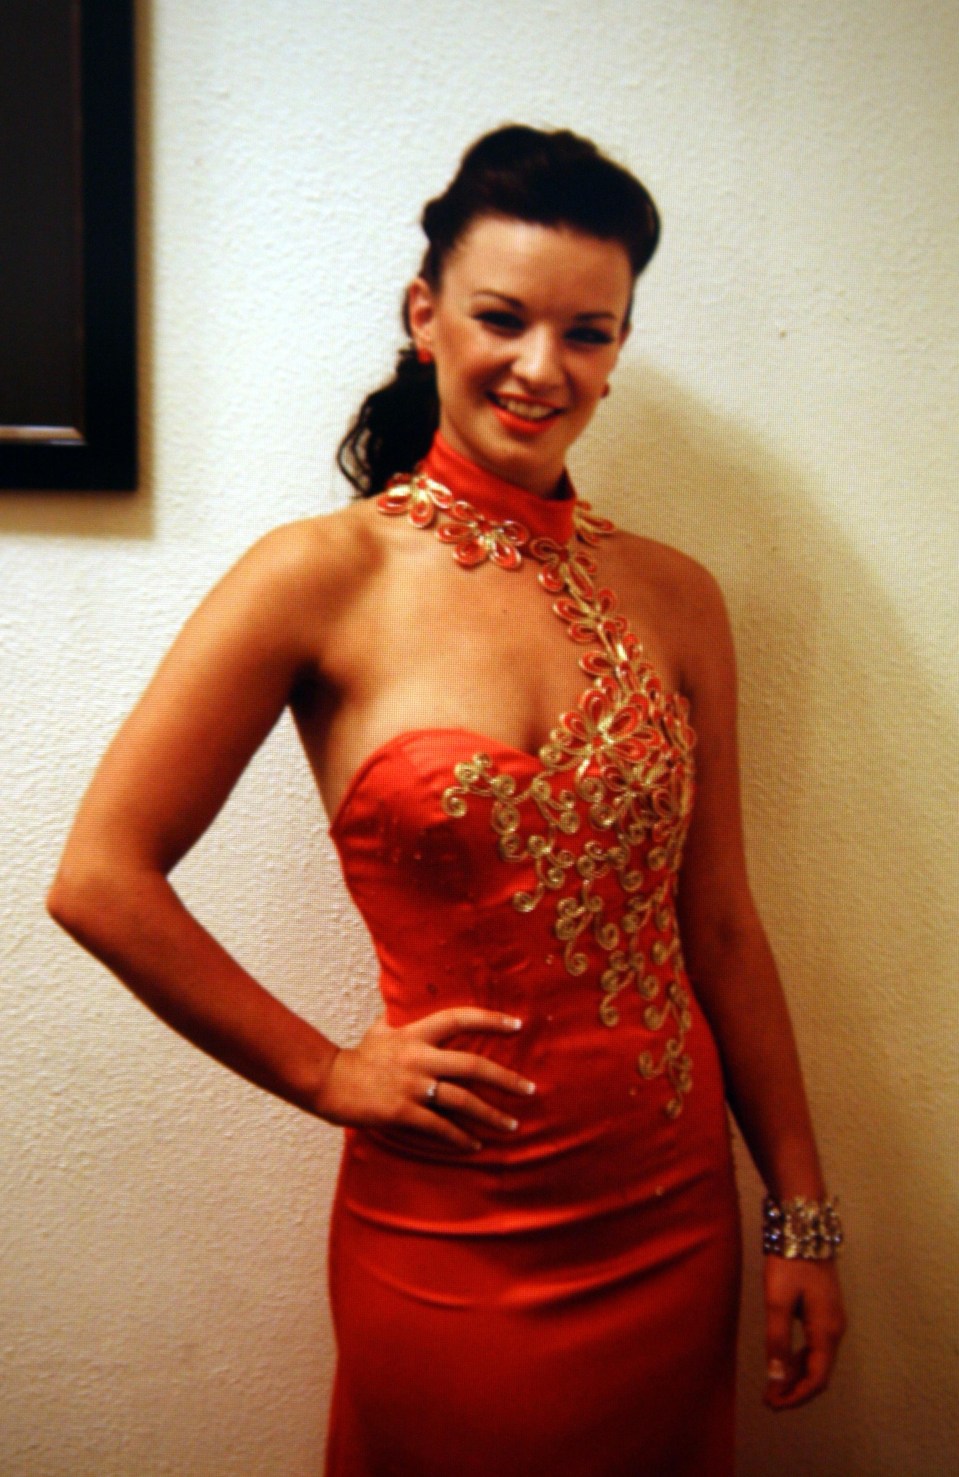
{"type": "Point", "coordinates": [808, 1292]}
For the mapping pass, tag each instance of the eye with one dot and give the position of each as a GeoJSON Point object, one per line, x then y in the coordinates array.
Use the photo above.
{"type": "Point", "coordinates": [586, 335]}
{"type": "Point", "coordinates": [504, 321]}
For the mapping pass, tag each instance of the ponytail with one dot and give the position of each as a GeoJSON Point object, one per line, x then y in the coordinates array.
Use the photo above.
{"type": "Point", "coordinates": [393, 428]}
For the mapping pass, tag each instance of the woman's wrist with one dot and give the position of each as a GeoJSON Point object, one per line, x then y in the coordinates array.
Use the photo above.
{"type": "Point", "coordinates": [793, 1168]}
{"type": "Point", "coordinates": [801, 1228]}
{"type": "Point", "coordinates": [312, 1085]}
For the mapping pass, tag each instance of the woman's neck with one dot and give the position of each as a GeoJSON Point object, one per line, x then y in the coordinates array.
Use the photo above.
{"type": "Point", "coordinates": [497, 498]}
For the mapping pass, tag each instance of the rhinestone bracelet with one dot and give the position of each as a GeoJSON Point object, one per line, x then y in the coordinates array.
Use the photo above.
{"type": "Point", "coordinates": [801, 1229]}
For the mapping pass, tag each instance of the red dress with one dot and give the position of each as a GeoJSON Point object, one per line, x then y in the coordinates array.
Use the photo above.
{"type": "Point", "coordinates": [562, 1303]}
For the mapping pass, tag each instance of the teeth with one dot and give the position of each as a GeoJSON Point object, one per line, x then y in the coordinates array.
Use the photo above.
{"type": "Point", "coordinates": [524, 409]}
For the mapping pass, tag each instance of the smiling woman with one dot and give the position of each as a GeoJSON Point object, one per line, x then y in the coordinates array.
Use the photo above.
{"type": "Point", "coordinates": [521, 720]}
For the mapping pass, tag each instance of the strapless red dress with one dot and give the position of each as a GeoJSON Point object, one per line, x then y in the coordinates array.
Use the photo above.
{"type": "Point", "coordinates": [563, 1303]}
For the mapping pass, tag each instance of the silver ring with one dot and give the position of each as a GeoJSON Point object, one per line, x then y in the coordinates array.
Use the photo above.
{"type": "Point", "coordinates": [431, 1092]}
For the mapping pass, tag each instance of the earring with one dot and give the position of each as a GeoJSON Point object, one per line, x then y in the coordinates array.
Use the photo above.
{"type": "Point", "coordinates": [424, 355]}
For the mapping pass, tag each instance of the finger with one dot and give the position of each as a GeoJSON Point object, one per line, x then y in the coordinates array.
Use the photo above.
{"type": "Point", "coordinates": [453, 1099]}
{"type": "Point", "coordinates": [823, 1327]}
{"type": "Point", "coordinates": [782, 1376]}
{"type": "Point", "coordinates": [465, 1064]}
{"type": "Point", "coordinates": [812, 1380]}
{"type": "Point", "coordinates": [779, 1320]}
{"type": "Point", "coordinates": [781, 1371]}
{"type": "Point", "coordinates": [823, 1324]}
{"type": "Point", "coordinates": [442, 1023]}
{"type": "Point", "coordinates": [439, 1127]}
{"type": "Point", "coordinates": [812, 1366]}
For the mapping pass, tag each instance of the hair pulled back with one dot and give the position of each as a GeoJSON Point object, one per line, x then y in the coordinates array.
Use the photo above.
{"type": "Point", "coordinates": [547, 178]}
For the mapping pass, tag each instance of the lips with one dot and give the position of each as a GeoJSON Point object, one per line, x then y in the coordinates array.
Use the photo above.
{"type": "Point", "coordinates": [520, 413]}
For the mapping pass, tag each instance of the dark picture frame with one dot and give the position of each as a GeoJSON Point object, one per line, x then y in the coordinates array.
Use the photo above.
{"type": "Point", "coordinates": [68, 390]}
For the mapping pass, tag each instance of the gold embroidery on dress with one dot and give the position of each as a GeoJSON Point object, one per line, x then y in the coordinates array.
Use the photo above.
{"type": "Point", "coordinates": [628, 748]}
{"type": "Point", "coordinates": [474, 537]}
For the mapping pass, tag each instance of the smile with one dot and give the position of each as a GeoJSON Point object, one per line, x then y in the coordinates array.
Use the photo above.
{"type": "Point", "coordinates": [530, 414]}
{"type": "Point", "coordinates": [529, 410]}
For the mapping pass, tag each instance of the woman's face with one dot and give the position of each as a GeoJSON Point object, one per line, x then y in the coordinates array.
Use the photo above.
{"type": "Point", "coordinates": [525, 329]}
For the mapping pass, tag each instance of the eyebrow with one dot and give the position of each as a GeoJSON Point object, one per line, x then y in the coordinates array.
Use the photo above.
{"type": "Point", "coordinates": [515, 302]}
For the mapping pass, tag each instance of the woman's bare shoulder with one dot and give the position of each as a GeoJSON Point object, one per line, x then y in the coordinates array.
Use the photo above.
{"type": "Point", "coordinates": [320, 543]}
{"type": "Point", "coordinates": [672, 574]}
{"type": "Point", "coordinates": [687, 599]}
{"type": "Point", "coordinates": [325, 557]}
{"type": "Point", "coordinates": [281, 604]}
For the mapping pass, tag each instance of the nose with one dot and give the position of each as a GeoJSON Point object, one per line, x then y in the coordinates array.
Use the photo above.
{"type": "Point", "coordinates": [538, 361]}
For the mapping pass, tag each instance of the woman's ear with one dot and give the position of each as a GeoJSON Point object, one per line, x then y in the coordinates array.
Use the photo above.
{"type": "Point", "coordinates": [420, 312]}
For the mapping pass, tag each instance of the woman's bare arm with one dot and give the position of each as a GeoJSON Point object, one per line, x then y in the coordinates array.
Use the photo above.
{"type": "Point", "coordinates": [213, 701]}
{"type": "Point", "coordinates": [727, 953]}
{"type": "Point", "coordinates": [733, 971]}
{"type": "Point", "coordinates": [171, 767]}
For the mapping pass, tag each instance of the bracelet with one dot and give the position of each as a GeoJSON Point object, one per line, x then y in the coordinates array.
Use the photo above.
{"type": "Point", "coordinates": [801, 1229]}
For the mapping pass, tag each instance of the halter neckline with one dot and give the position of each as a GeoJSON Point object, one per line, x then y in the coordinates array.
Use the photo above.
{"type": "Point", "coordinates": [499, 500]}
{"type": "Point", "coordinates": [485, 523]}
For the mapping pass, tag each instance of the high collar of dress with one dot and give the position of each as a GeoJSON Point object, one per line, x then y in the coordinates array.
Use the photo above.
{"type": "Point", "coordinates": [501, 501]}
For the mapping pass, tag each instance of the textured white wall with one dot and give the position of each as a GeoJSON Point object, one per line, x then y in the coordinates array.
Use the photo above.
{"type": "Point", "coordinates": [786, 411]}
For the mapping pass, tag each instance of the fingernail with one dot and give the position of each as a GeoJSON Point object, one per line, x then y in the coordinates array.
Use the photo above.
{"type": "Point", "coordinates": [512, 1124]}
{"type": "Point", "coordinates": [775, 1370]}
{"type": "Point", "coordinates": [513, 1021]}
{"type": "Point", "coordinates": [529, 1087]}
{"type": "Point", "coordinates": [475, 1144]}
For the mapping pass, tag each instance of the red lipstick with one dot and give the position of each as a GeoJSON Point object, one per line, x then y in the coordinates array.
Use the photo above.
{"type": "Point", "coordinates": [519, 423]}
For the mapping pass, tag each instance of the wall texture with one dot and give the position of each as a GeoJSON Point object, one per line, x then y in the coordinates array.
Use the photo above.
{"type": "Point", "coordinates": [786, 411]}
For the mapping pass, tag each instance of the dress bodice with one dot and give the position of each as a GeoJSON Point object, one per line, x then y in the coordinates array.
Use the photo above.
{"type": "Point", "coordinates": [456, 846]}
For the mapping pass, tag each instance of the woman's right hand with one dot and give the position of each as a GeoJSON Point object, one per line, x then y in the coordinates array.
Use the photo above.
{"type": "Point", "coordinates": [384, 1082]}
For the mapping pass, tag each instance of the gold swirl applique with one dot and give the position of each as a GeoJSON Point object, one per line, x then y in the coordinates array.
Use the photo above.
{"type": "Point", "coordinates": [627, 748]}
{"type": "Point", "coordinates": [474, 537]}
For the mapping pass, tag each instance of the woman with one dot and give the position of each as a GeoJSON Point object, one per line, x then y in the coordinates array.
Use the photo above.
{"type": "Point", "coordinates": [534, 1249]}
